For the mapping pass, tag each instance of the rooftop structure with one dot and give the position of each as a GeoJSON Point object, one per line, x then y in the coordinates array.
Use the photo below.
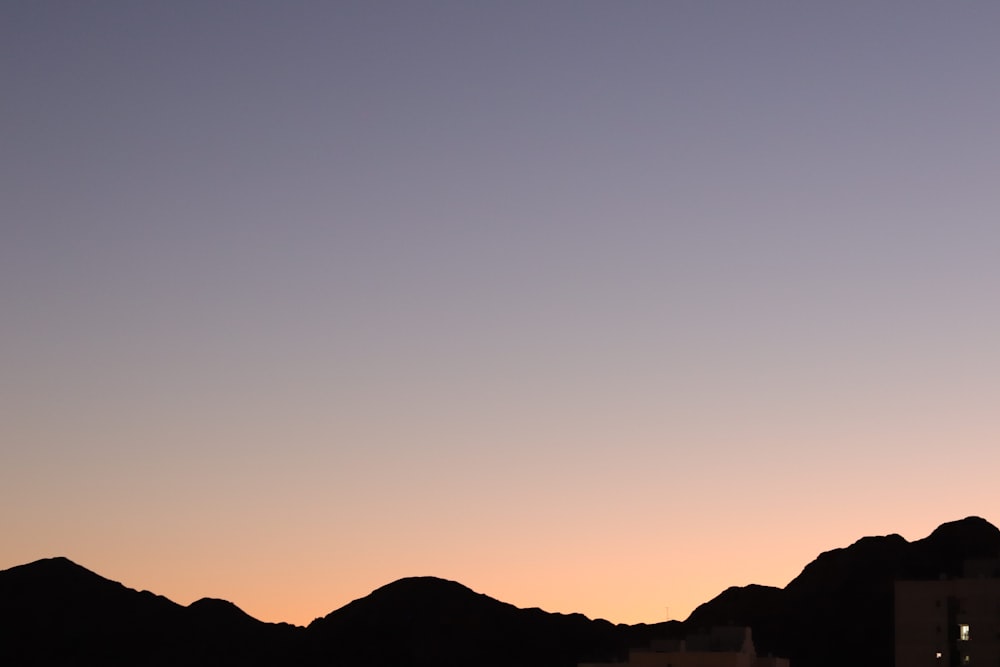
{"type": "Point", "coordinates": [729, 646]}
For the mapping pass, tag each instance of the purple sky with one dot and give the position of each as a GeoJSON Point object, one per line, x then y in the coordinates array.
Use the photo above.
{"type": "Point", "coordinates": [594, 306]}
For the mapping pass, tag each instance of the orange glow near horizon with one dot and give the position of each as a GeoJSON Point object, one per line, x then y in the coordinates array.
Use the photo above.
{"type": "Point", "coordinates": [647, 581]}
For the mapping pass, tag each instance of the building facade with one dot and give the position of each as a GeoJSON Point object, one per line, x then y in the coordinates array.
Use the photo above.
{"type": "Point", "coordinates": [950, 622]}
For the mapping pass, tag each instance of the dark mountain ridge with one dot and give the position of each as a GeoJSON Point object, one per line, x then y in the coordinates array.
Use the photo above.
{"type": "Point", "coordinates": [840, 607]}
{"type": "Point", "coordinates": [55, 612]}
{"type": "Point", "coordinates": [403, 621]}
{"type": "Point", "coordinates": [837, 610]}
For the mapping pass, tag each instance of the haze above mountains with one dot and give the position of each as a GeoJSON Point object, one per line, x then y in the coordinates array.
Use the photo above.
{"type": "Point", "coordinates": [838, 609]}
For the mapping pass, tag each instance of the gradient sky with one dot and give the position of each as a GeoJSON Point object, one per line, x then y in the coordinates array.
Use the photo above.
{"type": "Point", "coordinates": [600, 307]}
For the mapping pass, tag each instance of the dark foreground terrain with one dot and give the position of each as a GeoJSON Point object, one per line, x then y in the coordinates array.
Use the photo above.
{"type": "Point", "coordinates": [837, 611]}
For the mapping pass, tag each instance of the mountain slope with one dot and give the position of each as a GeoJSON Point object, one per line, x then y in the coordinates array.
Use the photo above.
{"type": "Point", "coordinates": [839, 610]}
{"type": "Point", "coordinates": [54, 611]}
{"type": "Point", "coordinates": [430, 621]}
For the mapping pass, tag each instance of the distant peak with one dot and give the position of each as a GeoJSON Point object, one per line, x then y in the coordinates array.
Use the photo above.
{"type": "Point", "coordinates": [219, 610]}
{"type": "Point", "coordinates": [969, 523]}
{"type": "Point", "coordinates": [417, 595]}
{"type": "Point", "coordinates": [972, 530]}
{"type": "Point", "coordinates": [55, 565]}
{"type": "Point", "coordinates": [414, 589]}
{"type": "Point", "coordinates": [61, 561]}
{"type": "Point", "coordinates": [879, 541]}
{"type": "Point", "coordinates": [213, 603]}
{"type": "Point", "coordinates": [425, 579]}
{"type": "Point", "coordinates": [422, 583]}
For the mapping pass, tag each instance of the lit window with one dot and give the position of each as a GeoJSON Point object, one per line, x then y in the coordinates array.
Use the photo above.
{"type": "Point", "coordinates": [938, 655]}
{"type": "Point", "coordinates": [963, 632]}
{"type": "Point", "coordinates": [965, 659]}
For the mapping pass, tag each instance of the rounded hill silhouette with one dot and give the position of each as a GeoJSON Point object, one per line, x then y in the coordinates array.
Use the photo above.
{"type": "Point", "coordinates": [839, 610]}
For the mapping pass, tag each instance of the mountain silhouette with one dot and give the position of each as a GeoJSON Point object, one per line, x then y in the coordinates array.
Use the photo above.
{"type": "Point", "coordinates": [839, 610]}
{"type": "Point", "coordinates": [55, 612]}
{"type": "Point", "coordinates": [431, 621]}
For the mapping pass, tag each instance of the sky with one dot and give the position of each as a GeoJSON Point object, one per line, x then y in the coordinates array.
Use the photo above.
{"type": "Point", "coordinates": [600, 307]}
